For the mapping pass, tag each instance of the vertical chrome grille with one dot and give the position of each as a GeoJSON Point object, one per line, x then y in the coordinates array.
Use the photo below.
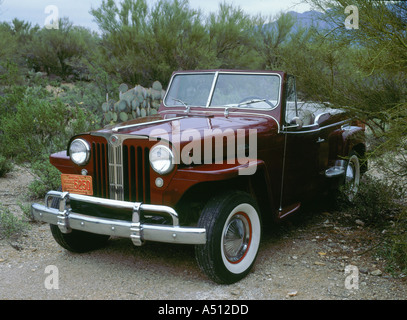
{"type": "Point", "coordinates": [115, 172]}
{"type": "Point", "coordinates": [122, 169]}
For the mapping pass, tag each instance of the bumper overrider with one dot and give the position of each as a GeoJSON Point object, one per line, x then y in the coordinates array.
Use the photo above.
{"type": "Point", "coordinates": [138, 232]}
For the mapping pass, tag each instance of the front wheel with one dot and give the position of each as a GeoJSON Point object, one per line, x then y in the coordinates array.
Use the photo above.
{"type": "Point", "coordinates": [76, 241]}
{"type": "Point", "coordinates": [233, 227]}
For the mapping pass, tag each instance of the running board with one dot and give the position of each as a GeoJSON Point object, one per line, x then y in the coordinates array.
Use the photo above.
{"type": "Point", "coordinates": [337, 170]}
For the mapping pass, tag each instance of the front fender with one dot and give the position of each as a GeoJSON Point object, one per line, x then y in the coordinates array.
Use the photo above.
{"type": "Point", "coordinates": [186, 178]}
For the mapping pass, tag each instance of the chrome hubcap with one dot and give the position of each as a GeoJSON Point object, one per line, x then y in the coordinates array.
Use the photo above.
{"type": "Point", "coordinates": [236, 239]}
{"type": "Point", "coordinates": [352, 176]}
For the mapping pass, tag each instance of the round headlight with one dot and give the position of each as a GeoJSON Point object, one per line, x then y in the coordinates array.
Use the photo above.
{"type": "Point", "coordinates": [79, 152]}
{"type": "Point", "coordinates": [161, 159]}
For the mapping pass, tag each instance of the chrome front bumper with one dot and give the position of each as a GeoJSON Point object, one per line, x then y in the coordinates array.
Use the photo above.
{"type": "Point", "coordinates": [138, 232]}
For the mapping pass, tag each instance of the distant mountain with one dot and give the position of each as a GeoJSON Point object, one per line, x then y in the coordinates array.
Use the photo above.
{"type": "Point", "coordinates": [306, 20]}
{"type": "Point", "coordinates": [309, 19]}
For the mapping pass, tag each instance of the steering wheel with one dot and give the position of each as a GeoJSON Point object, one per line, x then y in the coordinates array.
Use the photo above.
{"type": "Point", "coordinates": [250, 98]}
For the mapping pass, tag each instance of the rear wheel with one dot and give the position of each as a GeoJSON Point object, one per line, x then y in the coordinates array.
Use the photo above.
{"type": "Point", "coordinates": [352, 176]}
{"type": "Point", "coordinates": [233, 228]}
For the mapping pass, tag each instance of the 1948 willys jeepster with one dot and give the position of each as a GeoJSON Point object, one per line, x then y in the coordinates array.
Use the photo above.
{"type": "Point", "coordinates": [227, 151]}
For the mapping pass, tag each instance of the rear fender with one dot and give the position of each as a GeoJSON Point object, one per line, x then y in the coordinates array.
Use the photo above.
{"type": "Point", "coordinates": [343, 140]}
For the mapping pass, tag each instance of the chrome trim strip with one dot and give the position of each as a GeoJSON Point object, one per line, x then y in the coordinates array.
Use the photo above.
{"type": "Point", "coordinates": [215, 80]}
{"type": "Point", "coordinates": [116, 129]}
{"type": "Point", "coordinates": [107, 135]}
{"type": "Point", "coordinates": [115, 163]}
{"type": "Point", "coordinates": [318, 129]}
{"type": "Point", "coordinates": [133, 230]}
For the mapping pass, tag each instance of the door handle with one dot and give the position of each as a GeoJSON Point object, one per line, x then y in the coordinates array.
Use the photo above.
{"type": "Point", "coordinates": [320, 140]}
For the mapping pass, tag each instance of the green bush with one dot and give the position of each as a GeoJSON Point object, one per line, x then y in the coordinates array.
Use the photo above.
{"type": "Point", "coordinates": [380, 206]}
{"type": "Point", "coordinates": [10, 225]}
{"type": "Point", "coordinates": [376, 203]}
{"type": "Point", "coordinates": [5, 166]}
{"type": "Point", "coordinates": [48, 178]}
{"type": "Point", "coordinates": [394, 245]}
{"type": "Point", "coordinates": [86, 95]}
{"type": "Point", "coordinates": [39, 124]}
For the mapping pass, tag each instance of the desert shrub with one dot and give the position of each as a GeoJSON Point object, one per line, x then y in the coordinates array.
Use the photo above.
{"type": "Point", "coordinates": [10, 225]}
{"type": "Point", "coordinates": [39, 124]}
{"type": "Point", "coordinates": [47, 178]}
{"type": "Point", "coordinates": [394, 245]}
{"type": "Point", "coordinates": [86, 95]}
{"type": "Point", "coordinates": [380, 206]}
{"type": "Point", "coordinates": [58, 51]}
{"type": "Point", "coordinates": [5, 166]}
{"type": "Point", "coordinates": [376, 203]}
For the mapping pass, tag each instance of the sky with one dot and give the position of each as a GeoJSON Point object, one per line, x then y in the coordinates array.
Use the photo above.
{"type": "Point", "coordinates": [35, 11]}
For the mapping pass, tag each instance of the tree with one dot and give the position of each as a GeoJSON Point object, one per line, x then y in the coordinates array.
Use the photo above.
{"type": "Point", "coordinates": [144, 43]}
{"type": "Point", "coordinates": [273, 36]}
{"type": "Point", "coordinates": [56, 51]}
{"type": "Point", "coordinates": [371, 72]}
{"type": "Point", "coordinates": [233, 36]}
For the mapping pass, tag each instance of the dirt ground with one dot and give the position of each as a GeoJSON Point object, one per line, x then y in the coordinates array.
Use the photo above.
{"type": "Point", "coordinates": [317, 256]}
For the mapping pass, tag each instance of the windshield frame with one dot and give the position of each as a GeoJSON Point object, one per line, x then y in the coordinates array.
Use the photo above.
{"type": "Point", "coordinates": [216, 74]}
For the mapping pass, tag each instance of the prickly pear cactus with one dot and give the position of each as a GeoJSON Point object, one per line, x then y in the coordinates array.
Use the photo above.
{"type": "Point", "coordinates": [133, 103]}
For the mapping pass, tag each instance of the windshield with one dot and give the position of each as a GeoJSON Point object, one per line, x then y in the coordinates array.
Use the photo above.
{"type": "Point", "coordinates": [243, 90]}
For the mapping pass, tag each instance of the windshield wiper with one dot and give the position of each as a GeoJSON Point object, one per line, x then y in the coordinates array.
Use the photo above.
{"type": "Point", "coordinates": [226, 113]}
{"type": "Point", "coordinates": [251, 101]}
{"type": "Point", "coordinates": [187, 107]}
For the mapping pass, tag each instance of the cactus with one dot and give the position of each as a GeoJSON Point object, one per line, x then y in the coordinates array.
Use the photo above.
{"type": "Point", "coordinates": [128, 96]}
{"type": "Point", "coordinates": [155, 104]}
{"type": "Point", "coordinates": [138, 89]}
{"type": "Point", "coordinates": [108, 117]}
{"type": "Point", "coordinates": [157, 86]}
{"type": "Point", "coordinates": [105, 106]}
{"type": "Point", "coordinates": [114, 116]}
{"type": "Point", "coordinates": [123, 88]}
{"type": "Point", "coordinates": [133, 103]}
{"type": "Point", "coordinates": [123, 116]}
{"type": "Point", "coordinates": [121, 105]}
{"type": "Point", "coordinates": [111, 105]}
{"type": "Point", "coordinates": [140, 97]}
{"type": "Point", "coordinates": [144, 92]}
{"type": "Point", "coordinates": [156, 94]}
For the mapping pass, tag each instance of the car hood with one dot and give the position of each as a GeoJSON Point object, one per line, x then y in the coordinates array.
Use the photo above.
{"type": "Point", "coordinates": [197, 125]}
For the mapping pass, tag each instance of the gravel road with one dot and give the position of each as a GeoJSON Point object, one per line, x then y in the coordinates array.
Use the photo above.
{"type": "Point", "coordinates": [315, 257]}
